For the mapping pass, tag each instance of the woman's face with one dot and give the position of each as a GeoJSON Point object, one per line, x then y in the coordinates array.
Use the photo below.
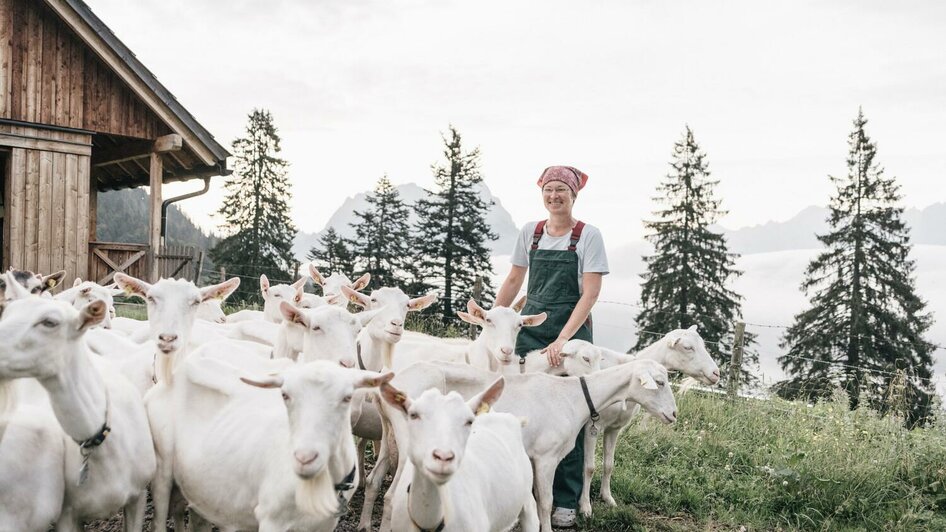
{"type": "Point", "coordinates": [558, 198]}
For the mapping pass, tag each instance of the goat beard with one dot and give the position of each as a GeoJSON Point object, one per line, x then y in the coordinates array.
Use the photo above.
{"type": "Point", "coordinates": [316, 496]}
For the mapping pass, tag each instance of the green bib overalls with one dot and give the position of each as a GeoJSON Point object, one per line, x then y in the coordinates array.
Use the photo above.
{"type": "Point", "coordinates": [554, 289]}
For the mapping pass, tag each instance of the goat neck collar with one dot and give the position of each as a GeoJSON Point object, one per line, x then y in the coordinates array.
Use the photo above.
{"type": "Point", "coordinates": [346, 484]}
{"type": "Point", "coordinates": [588, 401]}
{"type": "Point", "coordinates": [522, 364]}
{"type": "Point", "coordinates": [87, 446]}
{"type": "Point", "coordinates": [361, 363]}
{"type": "Point", "coordinates": [439, 528]}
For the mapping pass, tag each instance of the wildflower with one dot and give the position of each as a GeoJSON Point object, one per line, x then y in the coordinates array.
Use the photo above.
{"type": "Point", "coordinates": [728, 467]}
{"type": "Point", "coordinates": [730, 454]}
{"type": "Point", "coordinates": [785, 483]}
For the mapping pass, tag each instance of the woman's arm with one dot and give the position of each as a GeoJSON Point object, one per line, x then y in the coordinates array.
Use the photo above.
{"type": "Point", "coordinates": [511, 286]}
{"type": "Point", "coordinates": [590, 288]}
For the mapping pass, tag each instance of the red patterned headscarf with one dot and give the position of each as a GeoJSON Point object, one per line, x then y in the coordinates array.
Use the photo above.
{"type": "Point", "coordinates": [574, 178]}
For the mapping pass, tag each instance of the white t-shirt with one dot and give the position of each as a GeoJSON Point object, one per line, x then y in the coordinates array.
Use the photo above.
{"type": "Point", "coordinates": [591, 255]}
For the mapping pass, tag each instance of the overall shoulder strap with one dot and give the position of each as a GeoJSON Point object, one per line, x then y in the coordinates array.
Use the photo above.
{"type": "Point", "coordinates": [537, 235]}
{"type": "Point", "coordinates": [576, 235]}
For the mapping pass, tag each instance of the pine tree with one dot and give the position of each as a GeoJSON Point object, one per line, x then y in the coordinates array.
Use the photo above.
{"type": "Point", "coordinates": [256, 209]}
{"type": "Point", "coordinates": [866, 322]}
{"type": "Point", "coordinates": [452, 230]}
{"type": "Point", "coordinates": [332, 254]}
{"type": "Point", "coordinates": [686, 278]}
{"type": "Point", "coordinates": [383, 236]}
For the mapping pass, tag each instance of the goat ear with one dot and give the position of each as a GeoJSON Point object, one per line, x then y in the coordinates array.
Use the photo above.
{"type": "Point", "coordinates": [422, 302]}
{"type": "Point", "coordinates": [648, 382]}
{"type": "Point", "coordinates": [521, 304]}
{"type": "Point", "coordinates": [332, 299]}
{"type": "Point", "coordinates": [473, 308]}
{"type": "Point", "coordinates": [77, 282]}
{"type": "Point", "coordinates": [481, 403]}
{"type": "Point", "coordinates": [370, 379]}
{"type": "Point", "coordinates": [52, 280]}
{"type": "Point", "coordinates": [293, 314]}
{"type": "Point", "coordinates": [132, 286]}
{"type": "Point", "coordinates": [271, 381]}
{"type": "Point", "coordinates": [220, 290]}
{"type": "Point", "coordinates": [469, 318]}
{"type": "Point", "coordinates": [92, 315]}
{"type": "Point", "coordinates": [534, 320]}
{"type": "Point", "coordinates": [692, 328]}
{"type": "Point", "coordinates": [357, 298]}
{"type": "Point", "coordinates": [315, 275]}
{"type": "Point", "coordinates": [366, 316]}
{"type": "Point", "coordinates": [395, 397]}
{"type": "Point", "coordinates": [299, 284]}
{"type": "Point", "coordinates": [361, 282]}
{"type": "Point", "coordinates": [263, 283]}
{"type": "Point", "coordinates": [672, 343]}
{"type": "Point", "coordinates": [300, 290]}
{"type": "Point", "coordinates": [14, 290]}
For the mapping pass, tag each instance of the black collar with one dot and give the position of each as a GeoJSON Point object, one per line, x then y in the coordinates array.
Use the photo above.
{"type": "Point", "coordinates": [522, 364]}
{"type": "Point", "coordinates": [348, 482]}
{"type": "Point", "coordinates": [591, 405]}
{"type": "Point", "coordinates": [87, 446]}
{"type": "Point", "coordinates": [422, 529]}
{"type": "Point", "coordinates": [361, 363]}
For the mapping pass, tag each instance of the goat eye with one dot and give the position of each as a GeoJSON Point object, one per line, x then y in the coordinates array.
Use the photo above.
{"type": "Point", "coordinates": [347, 399]}
{"type": "Point", "coordinates": [277, 295]}
{"type": "Point", "coordinates": [661, 383]}
{"type": "Point", "coordinates": [413, 415]}
{"type": "Point", "coordinates": [285, 396]}
{"type": "Point", "coordinates": [36, 290]}
{"type": "Point", "coordinates": [587, 359]}
{"type": "Point", "coordinates": [49, 323]}
{"type": "Point", "coordinates": [316, 328]}
{"type": "Point", "coordinates": [150, 299]}
{"type": "Point", "coordinates": [195, 302]}
{"type": "Point", "coordinates": [469, 422]}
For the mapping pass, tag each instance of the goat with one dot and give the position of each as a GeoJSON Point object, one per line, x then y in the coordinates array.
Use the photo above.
{"type": "Point", "coordinates": [468, 468]}
{"type": "Point", "coordinates": [332, 285]}
{"type": "Point", "coordinates": [109, 455]}
{"type": "Point", "coordinates": [272, 296]}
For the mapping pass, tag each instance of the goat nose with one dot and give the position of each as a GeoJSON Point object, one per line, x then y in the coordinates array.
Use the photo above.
{"type": "Point", "coordinates": [347, 363]}
{"type": "Point", "coordinates": [443, 456]}
{"type": "Point", "coordinates": [167, 337]}
{"type": "Point", "coordinates": [397, 323]}
{"type": "Point", "coordinates": [305, 458]}
{"type": "Point", "coordinates": [506, 350]}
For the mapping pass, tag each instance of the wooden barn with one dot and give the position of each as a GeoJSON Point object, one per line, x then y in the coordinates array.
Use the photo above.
{"type": "Point", "coordinates": [79, 114]}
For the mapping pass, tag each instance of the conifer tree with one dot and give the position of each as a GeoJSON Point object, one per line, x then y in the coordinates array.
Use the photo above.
{"type": "Point", "coordinates": [866, 322]}
{"type": "Point", "coordinates": [256, 209]}
{"type": "Point", "coordinates": [383, 236]}
{"type": "Point", "coordinates": [452, 231]}
{"type": "Point", "coordinates": [332, 254]}
{"type": "Point", "coordinates": [686, 279]}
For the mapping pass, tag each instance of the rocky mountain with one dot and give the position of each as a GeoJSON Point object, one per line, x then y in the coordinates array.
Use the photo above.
{"type": "Point", "coordinates": [799, 231]}
{"type": "Point", "coordinates": [499, 220]}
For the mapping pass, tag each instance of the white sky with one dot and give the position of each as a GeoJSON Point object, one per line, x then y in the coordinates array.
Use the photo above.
{"type": "Point", "coordinates": [359, 88]}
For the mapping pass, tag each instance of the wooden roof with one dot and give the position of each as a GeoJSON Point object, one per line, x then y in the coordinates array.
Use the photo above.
{"type": "Point", "coordinates": [118, 160]}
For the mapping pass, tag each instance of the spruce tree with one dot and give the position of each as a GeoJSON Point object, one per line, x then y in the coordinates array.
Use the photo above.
{"type": "Point", "coordinates": [866, 322]}
{"type": "Point", "coordinates": [332, 254]}
{"type": "Point", "coordinates": [383, 236]}
{"type": "Point", "coordinates": [452, 231]}
{"type": "Point", "coordinates": [686, 279]}
{"type": "Point", "coordinates": [256, 209]}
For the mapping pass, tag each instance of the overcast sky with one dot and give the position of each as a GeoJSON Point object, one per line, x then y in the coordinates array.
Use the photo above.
{"type": "Point", "coordinates": [363, 88]}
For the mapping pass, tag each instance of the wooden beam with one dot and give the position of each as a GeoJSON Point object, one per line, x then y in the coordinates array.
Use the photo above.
{"type": "Point", "coordinates": [137, 150]}
{"type": "Point", "coordinates": [156, 173]}
{"type": "Point", "coordinates": [30, 143]}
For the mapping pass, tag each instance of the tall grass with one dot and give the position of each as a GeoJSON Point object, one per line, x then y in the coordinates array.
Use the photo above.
{"type": "Point", "coordinates": [777, 465]}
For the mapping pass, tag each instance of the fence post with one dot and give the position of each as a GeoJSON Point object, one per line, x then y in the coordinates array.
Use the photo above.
{"type": "Point", "coordinates": [223, 274]}
{"type": "Point", "coordinates": [735, 366]}
{"type": "Point", "coordinates": [477, 296]}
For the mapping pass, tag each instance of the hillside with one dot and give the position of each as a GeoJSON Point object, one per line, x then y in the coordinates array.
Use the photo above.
{"type": "Point", "coordinates": [123, 217]}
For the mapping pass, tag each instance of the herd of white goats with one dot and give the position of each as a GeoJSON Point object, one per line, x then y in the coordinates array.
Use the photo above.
{"type": "Point", "coordinates": [249, 419]}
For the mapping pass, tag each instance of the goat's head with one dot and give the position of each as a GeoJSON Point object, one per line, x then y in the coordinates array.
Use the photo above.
{"type": "Point", "coordinates": [332, 285]}
{"type": "Point", "coordinates": [35, 283]}
{"type": "Point", "coordinates": [273, 295]}
{"type": "Point", "coordinates": [329, 332]}
{"type": "Point", "coordinates": [501, 326]}
{"type": "Point", "coordinates": [388, 324]}
{"type": "Point", "coordinates": [172, 307]}
{"type": "Point", "coordinates": [84, 292]}
{"type": "Point", "coordinates": [40, 334]}
{"type": "Point", "coordinates": [318, 397]}
{"type": "Point", "coordinates": [683, 350]}
{"type": "Point", "coordinates": [439, 426]}
{"type": "Point", "coordinates": [212, 309]}
{"type": "Point", "coordinates": [650, 388]}
{"type": "Point", "coordinates": [580, 358]}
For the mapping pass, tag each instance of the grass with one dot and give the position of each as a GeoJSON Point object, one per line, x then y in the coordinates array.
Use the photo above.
{"type": "Point", "coordinates": [776, 465]}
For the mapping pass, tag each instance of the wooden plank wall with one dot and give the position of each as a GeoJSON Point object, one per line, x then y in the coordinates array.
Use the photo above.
{"type": "Point", "coordinates": [48, 208]}
{"type": "Point", "coordinates": [49, 76]}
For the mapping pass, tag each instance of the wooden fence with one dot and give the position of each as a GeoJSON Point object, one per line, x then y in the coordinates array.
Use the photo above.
{"type": "Point", "coordinates": [107, 258]}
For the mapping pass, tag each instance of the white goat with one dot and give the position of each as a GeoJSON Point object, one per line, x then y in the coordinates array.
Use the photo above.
{"type": "Point", "coordinates": [291, 472]}
{"type": "Point", "coordinates": [578, 358]}
{"type": "Point", "coordinates": [272, 296]}
{"type": "Point", "coordinates": [555, 408]}
{"type": "Point", "coordinates": [467, 468]}
{"type": "Point", "coordinates": [326, 332]}
{"type": "Point", "coordinates": [109, 458]}
{"type": "Point", "coordinates": [212, 309]}
{"type": "Point", "coordinates": [35, 283]}
{"type": "Point", "coordinates": [680, 350]}
{"type": "Point", "coordinates": [83, 293]}
{"type": "Point", "coordinates": [332, 285]}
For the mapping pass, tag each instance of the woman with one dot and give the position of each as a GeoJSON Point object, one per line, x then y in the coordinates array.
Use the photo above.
{"type": "Point", "coordinates": [565, 260]}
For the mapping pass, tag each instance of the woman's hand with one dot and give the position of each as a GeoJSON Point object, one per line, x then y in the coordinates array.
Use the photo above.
{"type": "Point", "coordinates": [554, 352]}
